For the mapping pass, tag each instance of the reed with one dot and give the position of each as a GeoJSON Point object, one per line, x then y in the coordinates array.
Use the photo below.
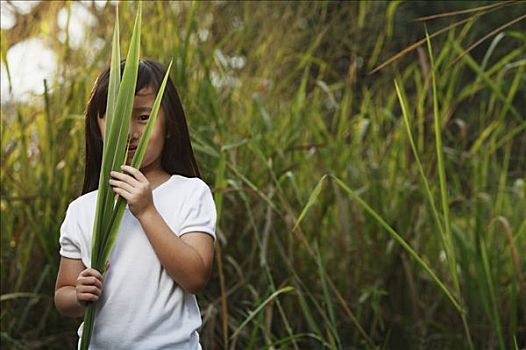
{"type": "Point", "coordinates": [332, 211]}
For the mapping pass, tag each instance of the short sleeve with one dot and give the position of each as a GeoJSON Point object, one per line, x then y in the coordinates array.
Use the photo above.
{"type": "Point", "coordinates": [199, 214]}
{"type": "Point", "coordinates": [69, 242]}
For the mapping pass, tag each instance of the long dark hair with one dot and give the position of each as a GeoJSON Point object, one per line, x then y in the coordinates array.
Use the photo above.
{"type": "Point", "coordinates": [177, 156]}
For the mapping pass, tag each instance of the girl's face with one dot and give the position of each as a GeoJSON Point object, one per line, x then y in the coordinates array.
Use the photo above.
{"type": "Point", "coordinates": [142, 107]}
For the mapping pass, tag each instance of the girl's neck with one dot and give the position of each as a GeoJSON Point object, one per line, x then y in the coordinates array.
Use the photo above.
{"type": "Point", "coordinates": [156, 175]}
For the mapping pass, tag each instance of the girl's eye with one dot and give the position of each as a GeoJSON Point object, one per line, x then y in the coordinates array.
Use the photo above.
{"type": "Point", "coordinates": [144, 117]}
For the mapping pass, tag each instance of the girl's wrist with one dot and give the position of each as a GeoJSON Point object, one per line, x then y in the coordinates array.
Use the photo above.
{"type": "Point", "coordinates": [146, 214]}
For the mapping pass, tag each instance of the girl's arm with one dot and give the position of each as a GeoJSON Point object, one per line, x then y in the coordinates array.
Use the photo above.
{"type": "Point", "coordinates": [187, 259]}
{"type": "Point", "coordinates": [75, 286]}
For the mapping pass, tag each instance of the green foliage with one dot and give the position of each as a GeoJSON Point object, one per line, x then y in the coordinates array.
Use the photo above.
{"type": "Point", "coordinates": [354, 212]}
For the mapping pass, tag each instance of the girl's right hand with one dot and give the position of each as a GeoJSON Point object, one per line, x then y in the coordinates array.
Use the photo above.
{"type": "Point", "coordinates": [88, 286]}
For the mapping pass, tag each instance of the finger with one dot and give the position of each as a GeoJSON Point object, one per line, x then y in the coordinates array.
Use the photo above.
{"type": "Point", "coordinates": [83, 297]}
{"type": "Point", "coordinates": [124, 194]}
{"type": "Point", "coordinates": [89, 281]}
{"type": "Point", "coordinates": [121, 184]}
{"type": "Point", "coordinates": [91, 272]}
{"type": "Point", "coordinates": [134, 172]}
{"type": "Point", "coordinates": [89, 290]}
{"type": "Point", "coordinates": [125, 178]}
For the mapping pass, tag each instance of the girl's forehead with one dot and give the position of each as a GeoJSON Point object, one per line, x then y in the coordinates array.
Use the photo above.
{"type": "Point", "coordinates": [145, 92]}
{"type": "Point", "coordinates": [145, 96]}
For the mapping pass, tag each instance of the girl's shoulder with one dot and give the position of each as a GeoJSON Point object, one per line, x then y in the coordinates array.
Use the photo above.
{"type": "Point", "coordinates": [84, 201]}
{"type": "Point", "coordinates": [189, 183]}
{"type": "Point", "coordinates": [186, 186]}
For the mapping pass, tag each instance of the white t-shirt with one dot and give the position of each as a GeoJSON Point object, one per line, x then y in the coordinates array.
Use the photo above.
{"type": "Point", "coordinates": [141, 306]}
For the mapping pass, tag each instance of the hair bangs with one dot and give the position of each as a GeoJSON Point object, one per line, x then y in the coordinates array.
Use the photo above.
{"type": "Point", "coordinates": [146, 78]}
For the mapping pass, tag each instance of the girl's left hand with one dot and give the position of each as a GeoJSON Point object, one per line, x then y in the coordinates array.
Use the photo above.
{"type": "Point", "coordinates": [134, 187]}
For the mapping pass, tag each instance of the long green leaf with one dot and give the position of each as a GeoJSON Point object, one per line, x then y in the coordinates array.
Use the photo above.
{"type": "Point", "coordinates": [442, 174]}
{"type": "Point", "coordinates": [405, 113]}
{"type": "Point", "coordinates": [104, 198]}
{"type": "Point", "coordinates": [113, 88]}
{"type": "Point", "coordinates": [253, 313]}
{"type": "Point", "coordinates": [115, 71]}
{"type": "Point", "coordinates": [402, 242]}
{"type": "Point", "coordinates": [113, 155]}
{"type": "Point", "coordinates": [444, 192]}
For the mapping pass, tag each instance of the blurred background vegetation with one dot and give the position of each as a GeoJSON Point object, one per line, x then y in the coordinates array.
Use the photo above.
{"type": "Point", "coordinates": [277, 95]}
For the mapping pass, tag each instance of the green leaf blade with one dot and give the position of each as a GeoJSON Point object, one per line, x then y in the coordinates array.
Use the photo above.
{"type": "Point", "coordinates": [113, 87]}
{"type": "Point", "coordinates": [121, 96]}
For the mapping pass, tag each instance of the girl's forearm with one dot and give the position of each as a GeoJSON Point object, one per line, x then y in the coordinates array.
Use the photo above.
{"type": "Point", "coordinates": [66, 302]}
{"type": "Point", "coordinates": [182, 261]}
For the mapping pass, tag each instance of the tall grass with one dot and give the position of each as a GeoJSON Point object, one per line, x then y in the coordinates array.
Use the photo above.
{"type": "Point", "coordinates": [343, 223]}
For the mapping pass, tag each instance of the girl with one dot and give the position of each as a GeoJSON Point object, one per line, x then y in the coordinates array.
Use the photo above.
{"type": "Point", "coordinates": [164, 250]}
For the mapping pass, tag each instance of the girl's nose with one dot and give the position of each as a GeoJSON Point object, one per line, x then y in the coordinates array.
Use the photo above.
{"type": "Point", "coordinates": [134, 134]}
